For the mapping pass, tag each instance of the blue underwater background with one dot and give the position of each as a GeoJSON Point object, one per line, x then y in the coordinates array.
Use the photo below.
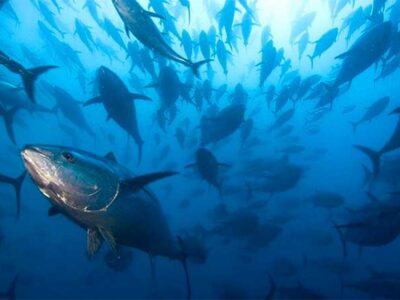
{"type": "Point", "coordinates": [287, 192]}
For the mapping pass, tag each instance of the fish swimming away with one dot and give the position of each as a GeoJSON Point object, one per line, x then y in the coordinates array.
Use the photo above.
{"type": "Point", "coordinates": [70, 108]}
{"type": "Point", "coordinates": [377, 226]}
{"type": "Point", "coordinates": [139, 22]}
{"type": "Point", "coordinates": [119, 103]}
{"type": "Point", "coordinates": [225, 123]}
{"type": "Point", "coordinates": [368, 48]}
{"type": "Point", "coordinates": [372, 112]}
{"type": "Point", "coordinates": [392, 144]}
{"type": "Point", "coordinates": [186, 3]}
{"type": "Point", "coordinates": [323, 44]}
{"type": "Point", "coordinates": [207, 166]}
{"type": "Point", "coordinates": [29, 76]}
{"type": "Point", "coordinates": [108, 201]}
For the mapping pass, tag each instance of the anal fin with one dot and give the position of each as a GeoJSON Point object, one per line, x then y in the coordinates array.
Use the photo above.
{"type": "Point", "coordinates": [53, 211]}
{"type": "Point", "coordinates": [110, 240]}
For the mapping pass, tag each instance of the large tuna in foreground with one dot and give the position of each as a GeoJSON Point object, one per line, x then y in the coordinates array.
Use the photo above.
{"type": "Point", "coordinates": [104, 198]}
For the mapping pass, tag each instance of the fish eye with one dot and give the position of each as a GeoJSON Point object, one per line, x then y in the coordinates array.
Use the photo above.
{"type": "Point", "coordinates": [68, 157]}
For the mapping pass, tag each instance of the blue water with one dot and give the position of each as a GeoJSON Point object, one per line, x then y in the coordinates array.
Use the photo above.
{"type": "Point", "coordinates": [48, 254]}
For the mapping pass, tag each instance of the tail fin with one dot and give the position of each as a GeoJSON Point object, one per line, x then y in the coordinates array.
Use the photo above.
{"type": "Point", "coordinates": [367, 176]}
{"type": "Point", "coordinates": [10, 293]}
{"type": "Point", "coordinates": [189, 13]}
{"type": "Point", "coordinates": [342, 240]}
{"type": "Point", "coordinates": [354, 125]}
{"type": "Point", "coordinates": [311, 60]}
{"type": "Point", "coordinates": [29, 77]}
{"type": "Point", "coordinates": [185, 268]}
{"type": "Point", "coordinates": [17, 184]}
{"type": "Point", "coordinates": [374, 156]}
{"type": "Point", "coordinates": [8, 116]}
{"type": "Point", "coordinates": [196, 66]}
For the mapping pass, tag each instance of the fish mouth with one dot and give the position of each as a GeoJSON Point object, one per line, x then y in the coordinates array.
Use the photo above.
{"type": "Point", "coordinates": [31, 151]}
{"type": "Point", "coordinates": [38, 163]}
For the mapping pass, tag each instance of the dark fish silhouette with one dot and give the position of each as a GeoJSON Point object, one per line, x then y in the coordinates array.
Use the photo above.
{"type": "Point", "coordinates": [372, 112]}
{"type": "Point", "coordinates": [139, 22]}
{"type": "Point", "coordinates": [17, 185]}
{"type": "Point", "coordinates": [29, 76]}
{"type": "Point", "coordinates": [119, 103]}
{"type": "Point", "coordinates": [392, 144]}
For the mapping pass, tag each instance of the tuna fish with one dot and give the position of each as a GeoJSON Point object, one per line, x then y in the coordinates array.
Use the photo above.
{"type": "Point", "coordinates": [108, 201]}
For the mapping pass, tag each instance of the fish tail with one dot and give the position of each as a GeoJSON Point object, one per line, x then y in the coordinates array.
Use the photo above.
{"type": "Point", "coordinates": [184, 258]}
{"type": "Point", "coordinates": [367, 175]}
{"type": "Point", "coordinates": [17, 185]}
{"type": "Point", "coordinates": [29, 77]}
{"type": "Point", "coordinates": [10, 293]}
{"type": "Point", "coordinates": [8, 117]}
{"type": "Point", "coordinates": [311, 60]}
{"type": "Point", "coordinates": [355, 126]}
{"type": "Point", "coordinates": [342, 240]}
{"type": "Point", "coordinates": [374, 156]}
{"type": "Point", "coordinates": [196, 66]}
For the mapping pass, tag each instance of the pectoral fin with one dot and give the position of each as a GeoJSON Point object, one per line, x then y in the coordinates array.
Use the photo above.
{"type": "Point", "coordinates": [139, 97]}
{"type": "Point", "coordinates": [94, 242]}
{"type": "Point", "coordinates": [344, 55]}
{"type": "Point", "coordinates": [110, 156]}
{"type": "Point", "coordinates": [96, 100]}
{"type": "Point", "coordinates": [140, 182]}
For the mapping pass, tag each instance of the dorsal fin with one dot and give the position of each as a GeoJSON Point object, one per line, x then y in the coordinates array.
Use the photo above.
{"type": "Point", "coordinates": [110, 156]}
